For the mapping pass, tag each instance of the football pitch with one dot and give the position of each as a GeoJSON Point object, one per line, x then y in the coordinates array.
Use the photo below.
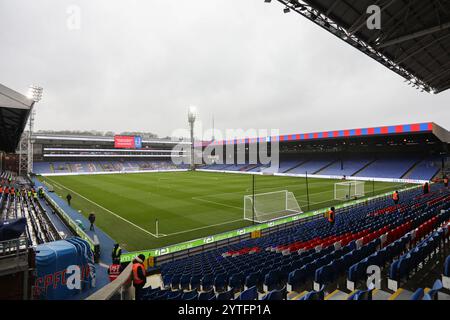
{"type": "Point", "coordinates": [187, 205]}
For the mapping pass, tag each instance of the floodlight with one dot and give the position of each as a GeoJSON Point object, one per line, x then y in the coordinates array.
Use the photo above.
{"type": "Point", "coordinates": [192, 114]}
{"type": "Point", "coordinates": [35, 93]}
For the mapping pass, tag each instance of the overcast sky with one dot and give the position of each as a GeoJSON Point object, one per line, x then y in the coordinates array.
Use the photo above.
{"type": "Point", "coordinates": [137, 65]}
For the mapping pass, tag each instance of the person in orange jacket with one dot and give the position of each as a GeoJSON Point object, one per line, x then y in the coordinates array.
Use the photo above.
{"type": "Point", "coordinates": [139, 275]}
{"type": "Point", "coordinates": [395, 197]}
{"type": "Point", "coordinates": [331, 216]}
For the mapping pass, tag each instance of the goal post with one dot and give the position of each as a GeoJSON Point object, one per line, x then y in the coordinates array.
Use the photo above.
{"type": "Point", "coordinates": [348, 190]}
{"type": "Point", "coordinates": [263, 207]}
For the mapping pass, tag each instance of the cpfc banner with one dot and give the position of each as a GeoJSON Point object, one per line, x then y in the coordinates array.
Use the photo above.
{"type": "Point", "coordinates": [127, 257]}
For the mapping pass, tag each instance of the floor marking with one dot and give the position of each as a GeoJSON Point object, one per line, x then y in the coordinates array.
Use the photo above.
{"type": "Point", "coordinates": [348, 296]}
{"type": "Point", "coordinates": [395, 294]}
{"type": "Point", "coordinates": [299, 295]}
{"type": "Point", "coordinates": [107, 210]}
{"type": "Point", "coordinates": [332, 294]}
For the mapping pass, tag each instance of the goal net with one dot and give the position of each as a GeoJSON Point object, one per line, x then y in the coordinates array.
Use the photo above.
{"type": "Point", "coordinates": [348, 190]}
{"type": "Point", "coordinates": [263, 207]}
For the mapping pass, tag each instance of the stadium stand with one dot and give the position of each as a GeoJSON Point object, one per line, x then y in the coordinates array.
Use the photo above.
{"type": "Point", "coordinates": [394, 168]}
{"type": "Point", "coordinates": [312, 254]}
{"type": "Point", "coordinates": [388, 168]}
{"type": "Point", "coordinates": [103, 166]}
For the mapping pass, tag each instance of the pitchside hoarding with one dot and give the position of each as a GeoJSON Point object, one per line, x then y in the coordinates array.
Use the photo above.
{"type": "Point", "coordinates": [127, 142]}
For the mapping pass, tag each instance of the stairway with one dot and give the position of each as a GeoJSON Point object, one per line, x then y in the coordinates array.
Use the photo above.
{"type": "Point", "coordinates": [364, 167]}
{"type": "Point", "coordinates": [298, 165]}
{"type": "Point", "coordinates": [411, 169]}
{"type": "Point", "coordinates": [326, 166]}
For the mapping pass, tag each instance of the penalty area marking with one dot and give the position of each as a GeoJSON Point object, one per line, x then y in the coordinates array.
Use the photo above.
{"type": "Point", "coordinates": [107, 210]}
{"type": "Point", "coordinates": [205, 227]}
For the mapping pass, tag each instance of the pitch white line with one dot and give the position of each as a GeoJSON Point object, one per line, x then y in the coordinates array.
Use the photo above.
{"type": "Point", "coordinates": [221, 204]}
{"type": "Point", "coordinates": [205, 227]}
{"type": "Point", "coordinates": [107, 210]}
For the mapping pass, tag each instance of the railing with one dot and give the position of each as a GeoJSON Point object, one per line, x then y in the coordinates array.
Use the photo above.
{"type": "Point", "coordinates": [120, 289]}
{"type": "Point", "coordinates": [14, 247]}
{"type": "Point", "coordinates": [73, 226]}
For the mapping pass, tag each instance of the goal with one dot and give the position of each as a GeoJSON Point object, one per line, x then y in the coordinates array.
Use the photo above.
{"type": "Point", "coordinates": [348, 190]}
{"type": "Point", "coordinates": [263, 207]}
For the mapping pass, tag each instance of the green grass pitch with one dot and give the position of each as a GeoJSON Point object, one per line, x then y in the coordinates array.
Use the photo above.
{"type": "Point", "coordinates": [188, 205]}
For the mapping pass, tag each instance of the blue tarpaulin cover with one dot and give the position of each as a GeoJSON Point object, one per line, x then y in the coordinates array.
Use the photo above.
{"type": "Point", "coordinates": [55, 263]}
{"type": "Point", "coordinates": [12, 229]}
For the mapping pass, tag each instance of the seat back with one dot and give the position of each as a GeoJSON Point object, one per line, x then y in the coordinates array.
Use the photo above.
{"type": "Point", "coordinates": [227, 295]}
{"type": "Point", "coordinates": [249, 294]}
{"type": "Point", "coordinates": [206, 295]}
{"type": "Point", "coordinates": [418, 294]}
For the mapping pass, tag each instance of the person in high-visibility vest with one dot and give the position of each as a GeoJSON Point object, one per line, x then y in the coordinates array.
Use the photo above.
{"type": "Point", "coordinates": [395, 197]}
{"type": "Point", "coordinates": [331, 216]}
{"type": "Point", "coordinates": [116, 253]}
{"type": "Point", "coordinates": [446, 181]}
{"type": "Point", "coordinates": [139, 275]}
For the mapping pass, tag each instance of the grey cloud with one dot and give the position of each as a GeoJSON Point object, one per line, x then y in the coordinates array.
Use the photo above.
{"type": "Point", "coordinates": [137, 65]}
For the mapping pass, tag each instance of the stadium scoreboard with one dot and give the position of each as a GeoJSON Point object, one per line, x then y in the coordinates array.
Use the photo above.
{"type": "Point", "coordinates": [127, 142]}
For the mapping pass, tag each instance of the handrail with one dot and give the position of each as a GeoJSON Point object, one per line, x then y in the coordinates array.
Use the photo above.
{"type": "Point", "coordinates": [121, 285]}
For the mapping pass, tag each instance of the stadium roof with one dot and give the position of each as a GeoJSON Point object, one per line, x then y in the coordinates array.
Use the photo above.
{"type": "Point", "coordinates": [415, 128]}
{"type": "Point", "coordinates": [14, 111]}
{"type": "Point", "coordinates": [414, 39]}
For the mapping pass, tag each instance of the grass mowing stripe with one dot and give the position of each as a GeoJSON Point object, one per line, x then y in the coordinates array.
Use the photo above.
{"type": "Point", "coordinates": [101, 207]}
{"type": "Point", "coordinates": [188, 205]}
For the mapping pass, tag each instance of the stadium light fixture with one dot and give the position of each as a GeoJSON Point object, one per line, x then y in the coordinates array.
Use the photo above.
{"type": "Point", "coordinates": [35, 93]}
{"type": "Point", "coordinates": [192, 115]}
{"type": "Point", "coordinates": [268, 1]}
{"type": "Point", "coordinates": [286, 10]}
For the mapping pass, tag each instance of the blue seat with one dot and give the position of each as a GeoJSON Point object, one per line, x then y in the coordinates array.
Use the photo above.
{"type": "Point", "coordinates": [325, 274]}
{"type": "Point", "coordinates": [275, 295]}
{"type": "Point", "coordinates": [206, 282]}
{"type": "Point", "coordinates": [190, 295]}
{"type": "Point", "coordinates": [252, 280]}
{"type": "Point", "coordinates": [314, 295]}
{"type": "Point", "coordinates": [272, 280]}
{"type": "Point", "coordinates": [174, 295]}
{"type": "Point", "coordinates": [206, 295]}
{"type": "Point", "coordinates": [249, 294]}
{"type": "Point", "coordinates": [184, 281]}
{"type": "Point", "coordinates": [161, 295]}
{"type": "Point", "coordinates": [362, 294]}
{"type": "Point", "coordinates": [175, 282]}
{"type": "Point", "coordinates": [236, 282]}
{"type": "Point", "coordinates": [433, 293]}
{"type": "Point", "coordinates": [418, 294]}
{"type": "Point", "coordinates": [220, 282]}
{"type": "Point", "coordinates": [447, 267]}
{"type": "Point", "coordinates": [194, 282]}
{"type": "Point", "coordinates": [167, 280]}
{"type": "Point", "coordinates": [227, 295]}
